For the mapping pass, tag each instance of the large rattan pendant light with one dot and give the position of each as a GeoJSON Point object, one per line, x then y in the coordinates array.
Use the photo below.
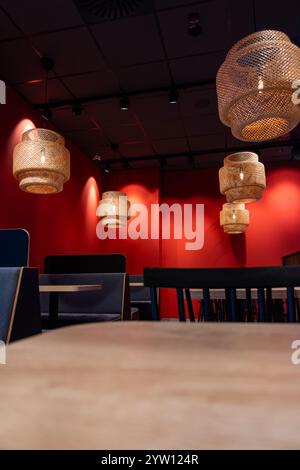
{"type": "Point", "coordinates": [41, 162]}
{"type": "Point", "coordinates": [113, 209]}
{"type": "Point", "coordinates": [242, 178]}
{"type": "Point", "coordinates": [254, 86]}
{"type": "Point", "coordinates": [234, 218]}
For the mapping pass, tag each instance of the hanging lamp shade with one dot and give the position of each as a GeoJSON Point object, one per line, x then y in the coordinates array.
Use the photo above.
{"type": "Point", "coordinates": [242, 178]}
{"type": "Point", "coordinates": [113, 209]}
{"type": "Point", "coordinates": [254, 87]}
{"type": "Point", "coordinates": [234, 218]}
{"type": "Point", "coordinates": [41, 162]}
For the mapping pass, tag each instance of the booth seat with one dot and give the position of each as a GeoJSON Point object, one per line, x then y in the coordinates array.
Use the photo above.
{"type": "Point", "coordinates": [19, 301]}
{"type": "Point", "coordinates": [108, 304]}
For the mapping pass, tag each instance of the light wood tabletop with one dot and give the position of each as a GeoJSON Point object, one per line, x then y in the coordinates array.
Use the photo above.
{"type": "Point", "coordinates": [69, 287]}
{"type": "Point", "coordinates": [159, 385]}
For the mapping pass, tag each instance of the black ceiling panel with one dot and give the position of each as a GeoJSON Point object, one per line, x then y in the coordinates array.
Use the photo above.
{"type": "Point", "coordinates": [7, 29]}
{"type": "Point", "coordinates": [143, 77]}
{"type": "Point", "coordinates": [130, 41]}
{"type": "Point", "coordinates": [144, 52]}
{"type": "Point", "coordinates": [93, 84]}
{"type": "Point", "coordinates": [73, 51]}
{"type": "Point", "coordinates": [35, 91]}
{"type": "Point", "coordinates": [35, 16]}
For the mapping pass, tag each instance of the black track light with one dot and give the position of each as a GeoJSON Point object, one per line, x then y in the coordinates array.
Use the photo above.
{"type": "Point", "coordinates": [114, 147]}
{"type": "Point", "coordinates": [191, 160]}
{"type": "Point", "coordinates": [173, 96]}
{"type": "Point", "coordinates": [296, 152]}
{"type": "Point", "coordinates": [77, 109]}
{"type": "Point", "coordinates": [194, 25]}
{"type": "Point", "coordinates": [124, 103]}
{"type": "Point", "coordinates": [125, 166]}
{"type": "Point", "coordinates": [107, 168]}
{"type": "Point", "coordinates": [162, 162]}
{"type": "Point", "coordinates": [46, 113]}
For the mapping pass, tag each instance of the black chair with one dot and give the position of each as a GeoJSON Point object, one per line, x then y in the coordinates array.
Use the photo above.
{"type": "Point", "coordinates": [230, 279]}
{"type": "Point", "coordinates": [109, 304]}
{"type": "Point", "coordinates": [64, 264]}
{"type": "Point", "coordinates": [19, 301]}
{"type": "Point", "coordinates": [14, 247]}
{"type": "Point", "coordinates": [140, 297]}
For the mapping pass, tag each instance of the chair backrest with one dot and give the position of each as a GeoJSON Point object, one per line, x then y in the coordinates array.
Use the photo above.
{"type": "Point", "coordinates": [111, 299]}
{"type": "Point", "coordinates": [19, 303]}
{"type": "Point", "coordinates": [140, 296]}
{"type": "Point", "coordinates": [292, 258]}
{"type": "Point", "coordinates": [263, 279]}
{"type": "Point", "coordinates": [110, 263]}
{"type": "Point", "coordinates": [14, 247]}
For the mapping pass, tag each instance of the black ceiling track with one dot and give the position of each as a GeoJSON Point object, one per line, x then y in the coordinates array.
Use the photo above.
{"type": "Point", "coordinates": [197, 153]}
{"type": "Point", "coordinates": [148, 91]}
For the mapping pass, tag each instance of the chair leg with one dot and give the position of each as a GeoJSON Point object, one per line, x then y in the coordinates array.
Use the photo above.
{"type": "Point", "coordinates": [180, 301]}
{"type": "Point", "coordinates": [189, 304]}
{"type": "Point", "coordinates": [154, 304]}
{"type": "Point", "coordinates": [290, 305]}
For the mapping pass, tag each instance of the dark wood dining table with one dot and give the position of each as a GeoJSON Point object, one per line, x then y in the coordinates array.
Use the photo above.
{"type": "Point", "coordinates": [152, 385]}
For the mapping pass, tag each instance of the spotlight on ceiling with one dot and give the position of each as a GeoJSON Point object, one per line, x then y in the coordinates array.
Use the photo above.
{"type": "Point", "coordinates": [77, 109]}
{"type": "Point", "coordinates": [173, 96]}
{"type": "Point", "coordinates": [114, 147]}
{"type": "Point", "coordinates": [296, 152]}
{"type": "Point", "coordinates": [191, 159]}
{"type": "Point", "coordinates": [194, 26]}
{"type": "Point", "coordinates": [97, 158]}
{"type": "Point", "coordinates": [46, 112]}
{"type": "Point", "coordinates": [124, 103]}
{"type": "Point", "coordinates": [162, 162]}
{"type": "Point", "coordinates": [107, 168]}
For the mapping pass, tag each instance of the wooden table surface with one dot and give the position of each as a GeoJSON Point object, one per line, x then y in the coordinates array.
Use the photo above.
{"type": "Point", "coordinates": [152, 386]}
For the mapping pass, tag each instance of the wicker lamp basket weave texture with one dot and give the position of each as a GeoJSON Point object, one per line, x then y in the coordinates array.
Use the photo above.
{"type": "Point", "coordinates": [242, 178]}
{"type": "Point", "coordinates": [41, 162]}
{"type": "Point", "coordinates": [234, 218]}
{"type": "Point", "coordinates": [113, 209]}
{"type": "Point", "coordinates": [254, 87]}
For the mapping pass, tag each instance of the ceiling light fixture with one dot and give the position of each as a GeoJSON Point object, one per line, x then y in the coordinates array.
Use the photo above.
{"type": "Point", "coordinates": [41, 162]}
{"type": "Point", "coordinates": [47, 113]}
{"type": "Point", "coordinates": [194, 26]}
{"type": "Point", "coordinates": [234, 218]}
{"type": "Point", "coordinates": [254, 87]}
{"type": "Point", "coordinates": [173, 96]}
{"type": "Point", "coordinates": [77, 108]}
{"type": "Point", "coordinates": [113, 209]}
{"type": "Point", "coordinates": [107, 168]}
{"type": "Point", "coordinates": [296, 152]}
{"type": "Point", "coordinates": [162, 162]}
{"type": "Point", "coordinates": [242, 178]}
{"type": "Point", "coordinates": [124, 103]}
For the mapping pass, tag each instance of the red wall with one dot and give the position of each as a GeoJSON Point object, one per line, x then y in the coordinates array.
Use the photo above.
{"type": "Point", "coordinates": [66, 222]}
{"type": "Point", "coordinates": [274, 221]}
{"type": "Point", "coordinates": [58, 223]}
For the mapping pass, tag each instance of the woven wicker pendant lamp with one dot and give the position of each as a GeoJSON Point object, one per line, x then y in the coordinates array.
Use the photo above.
{"type": "Point", "coordinates": [113, 209]}
{"type": "Point", "coordinates": [254, 87]}
{"type": "Point", "coordinates": [242, 178]}
{"type": "Point", "coordinates": [41, 162]}
{"type": "Point", "coordinates": [234, 218]}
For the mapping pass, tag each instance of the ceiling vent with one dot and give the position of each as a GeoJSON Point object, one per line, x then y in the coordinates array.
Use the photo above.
{"type": "Point", "coordinates": [95, 10]}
